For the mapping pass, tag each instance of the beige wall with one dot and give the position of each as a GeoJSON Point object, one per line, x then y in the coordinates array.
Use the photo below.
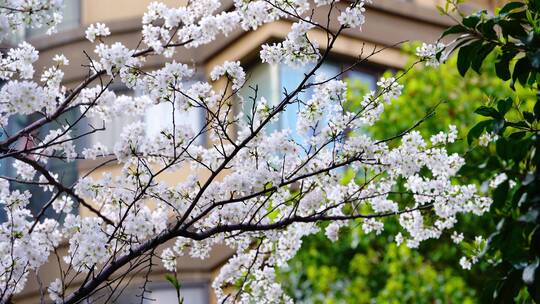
{"type": "Point", "coordinates": [107, 10]}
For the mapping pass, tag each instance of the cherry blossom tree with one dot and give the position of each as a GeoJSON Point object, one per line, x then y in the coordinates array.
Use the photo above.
{"type": "Point", "coordinates": [258, 191]}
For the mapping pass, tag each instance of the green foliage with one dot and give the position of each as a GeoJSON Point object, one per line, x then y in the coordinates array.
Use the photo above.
{"type": "Point", "coordinates": [512, 36]}
{"type": "Point", "coordinates": [173, 280]}
{"type": "Point", "coordinates": [443, 89]}
{"type": "Point", "coordinates": [374, 268]}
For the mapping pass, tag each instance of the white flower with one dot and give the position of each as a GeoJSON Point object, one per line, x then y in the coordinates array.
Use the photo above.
{"type": "Point", "coordinates": [288, 178]}
{"type": "Point", "coordinates": [232, 70]}
{"type": "Point", "coordinates": [169, 259]}
{"type": "Point", "coordinates": [116, 57]}
{"type": "Point", "coordinates": [479, 240]}
{"type": "Point", "coordinates": [457, 237]}
{"type": "Point", "coordinates": [63, 204]}
{"type": "Point", "coordinates": [98, 150]}
{"type": "Point", "coordinates": [324, 2]}
{"type": "Point", "coordinates": [97, 30]}
{"type": "Point", "coordinates": [372, 225]}
{"type": "Point", "coordinates": [353, 16]}
{"type": "Point", "coordinates": [60, 59]}
{"type": "Point", "coordinates": [19, 60]}
{"type": "Point", "coordinates": [390, 88]}
{"type": "Point", "coordinates": [487, 138]}
{"type": "Point", "coordinates": [399, 238]}
{"type": "Point", "coordinates": [24, 170]}
{"type": "Point", "coordinates": [332, 231]}
{"type": "Point", "coordinates": [465, 263]}
{"type": "Point", "coordinates": [52, 77]}
{"type": "Point", "coordinates": [428, 53]}
{"type": "Point", "coordinates": [55, 290]}
{"type": "Point", "coordinates": [497, 180]}
{"type": "Point", "coordinates": [444, 138]}
{"type": "Point", "coordinates": [16, 15]}
{"type": "Point", "coordinates": [296, 50]}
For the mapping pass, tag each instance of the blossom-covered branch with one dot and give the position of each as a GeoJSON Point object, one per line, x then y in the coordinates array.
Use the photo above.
{"type": "Point", "coordinates": [255, 189]}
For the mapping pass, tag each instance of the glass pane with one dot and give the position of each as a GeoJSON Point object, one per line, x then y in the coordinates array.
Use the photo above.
{"type": "Point", "coordinates": [265, 79]}
{"type": "Point", "coordinates": [273, 81]}
{"type": "Point", "coordinates": [156, 117]}
{"type": "Point", "coordinates": [290, 79]}
{"type": "Point", "coordinates": [67, 172]}
{"type": "Point", "coordinates": [71, 19]}
{"type": "Point", "coordinates": [159, 117]}
{"type": "Point", "coordinates": [195, 295]}
{"type": "Point", "coordinates": [191, 293]}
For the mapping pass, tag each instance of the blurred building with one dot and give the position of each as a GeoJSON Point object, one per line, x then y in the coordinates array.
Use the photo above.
{"type": "Point", "coordinates": [387, 23]}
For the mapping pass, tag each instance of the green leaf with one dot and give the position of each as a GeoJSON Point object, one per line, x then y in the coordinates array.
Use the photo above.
{"type": "Point", "coordinates": [441, 10]}
{"type": "Point", "coordinates": [535, 241]}
{"type": "Point", "coordinates": [510, 7]}
{"type": "Point", "coordinates": [347, 176]}
{"type": "Point", "coordinates": [493, 163]}
{"type": "Point", "coordinates": [518, 15]}
{"type": "Point", "coordinates": [502, 66]}
{"type": "Point", "coordinates": [537, 109]}
{"type": "Point", "coordinates": [463, 61]}
{"type": "Point", "coordinates": [173, 280]}
{"type": "Point", "coordinates": [530, 271]}
{"type": "Point", "coordinates": [532, 78]}
{"type": "Point", "coordinates": [534, 58]}
{"type": "Point", "coordinates": [488, 29]}
{"type": "Point", "coordinates": [508, 288]}
{"type": "Point", "coordinates": [504, 105]}
{"type": "Point", "coordinates": [497, 125]}
{"type": "Point", "coordinates": [477, 130]}
{"type": "Point", "coordinates": [522, 70]}
{"type": "Point", "coordinates": [512, 28]}
{"type": "Point", "coordinates": [503, 148]}
{"type": "Point", "coordinates": [520, 149]}
{"type": "Point", "coordinates": [471, 21]}
{"type": "Point", "coordinates": [519, 124]}
{"type": "Point", "coordinates": [529, 216]}
{"type": "Point", "coordinates": [534, 289]}
{"type": "Point", "coordinates": [517, 135]}
{"type": "Point", "coordinates": [529, 117]}
{"type": "Point", "coordinates": [500, 194]}
{"type": "Point", "coordinates": [466, 55]}
{"type": "Point", "coordinates": [455, 29]}
{"type": "Point", "coordinates": [488, 112]}
{"type": "Point", "coordinates": [481, 55]}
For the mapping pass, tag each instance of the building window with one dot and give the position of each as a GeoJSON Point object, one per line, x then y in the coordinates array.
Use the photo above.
{"type": "Point", "coordinates": [265, 78]}
{"type": "Point", "coordinates": [273, 80]}
{"type": "Point", "coordinates": [67, 172]}
{"type": "Point", "coordinates": [161, 293]}
{"type": "Point", "coordinates": [156, 118]}
{"type": "Point", "coordinates": [71, 19]}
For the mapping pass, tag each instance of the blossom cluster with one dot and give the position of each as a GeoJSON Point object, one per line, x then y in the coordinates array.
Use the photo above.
{"type": "Point", "coordinates": [17, 15]}
{"type": "Point", "coordinates": [296, 50]}
{"type": "Point", "coordinates": [353, 16]}
{"type": "Point", "coordinates": [97, 30]}
{"type": "Point", "coordinates": [431, 53]}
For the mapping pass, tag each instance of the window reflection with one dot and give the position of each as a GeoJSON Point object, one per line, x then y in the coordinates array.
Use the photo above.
{"type": "Point", "coordinates": [71, 19]}
{"type": "Point", "coordinates": [273, 81]}
{"type": "Point", "coordinates": [161, 293]}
